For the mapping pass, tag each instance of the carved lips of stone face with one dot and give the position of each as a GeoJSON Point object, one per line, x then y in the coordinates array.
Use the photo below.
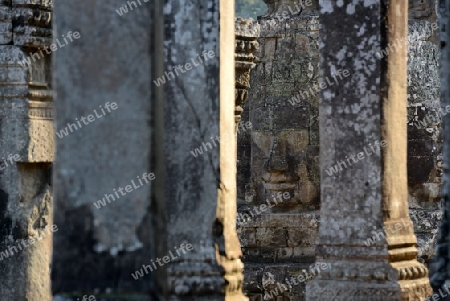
{"type": "Point", "coordinates": [282, 158]}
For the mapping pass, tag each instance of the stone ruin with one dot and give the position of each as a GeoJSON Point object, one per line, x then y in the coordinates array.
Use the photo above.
{"type": "Point", "coordinates": [154, 178]}
{"type": "Point", "coordinates": [283, 107]}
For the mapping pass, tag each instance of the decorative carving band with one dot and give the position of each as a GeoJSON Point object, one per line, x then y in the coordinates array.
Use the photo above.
{"type": "Point", "coordinates": [194, 278]}
{"type": "Point", "coordinates": [247, 34]}
{"type": "Point", "coordinates": [32, 20]}
{"type": "Point", "coordinates": [40, 110]}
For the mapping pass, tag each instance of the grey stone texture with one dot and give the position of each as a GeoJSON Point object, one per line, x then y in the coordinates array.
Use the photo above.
{"type": "Point", "coordinates": [424, 123]}
{"type": "Point", "coordinates": [439, 270]}
{"type": "Point", "coordinates": [154, 128]}
{"type": "Point", "coordinates": [367, 107]}
{"type": "Point", "coordinates": [262, 245]}
{"type": "Point", "coordinates": [27, 151]}
{"type": "Point", "coordinates": [246, 35]}
{"type": "Point", "coordinates": [280, 153]}
{"type": "Point", "coordinates": [97, 249]}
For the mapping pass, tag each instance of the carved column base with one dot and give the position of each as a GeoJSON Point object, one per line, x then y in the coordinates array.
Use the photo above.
{"type": "Point", "coordinates": [194, 279]}
{"type": "Point", "coordinates": [201, 279]}
{"type": "Point", "coordinates": [371, 281]}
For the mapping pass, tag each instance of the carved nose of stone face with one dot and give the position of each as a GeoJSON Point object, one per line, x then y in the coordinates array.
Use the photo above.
{"type": "Point", "coordinates": [277, 161]}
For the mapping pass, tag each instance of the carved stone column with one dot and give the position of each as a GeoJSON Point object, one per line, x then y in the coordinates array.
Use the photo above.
{"type": "Point", "coordinates": [26, 150]}
{"type": "Point", "coordinates": [198, 110]}
{"type": "Point", "coordinates": [247, 33]}
{"type": "Point", "coordinates": [366, 109]}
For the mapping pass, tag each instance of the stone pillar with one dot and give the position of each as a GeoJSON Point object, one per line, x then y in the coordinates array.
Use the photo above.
{"type": "Point", "coordinates": [363, 134]}
{"type": "Point", "coordinates": [439, 270]}
{"type": "Point", "coordinates": [27, 150]}
{"type": "Point", "coordinates": [200, 188]}
{"type": "Point", "coordinates": [247, 34]}
{"type": "Point", "coordinates": [103, 172]}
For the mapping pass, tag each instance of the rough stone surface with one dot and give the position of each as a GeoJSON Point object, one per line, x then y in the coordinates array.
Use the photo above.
{"type": "Point", "coordinates": [97, 248]}
{"type": "Point", "coordinates": [205, 196]}
{"type": "Point", "coordinates": [280, 152]}
{"type": "Point", "coordinates": [27, 145]}
{"type": "Point", "coordinates": [367, 107]}
{"type": "Point", "coordinates": [260, 244]}
{"type": "Point", "coordinates": [424, 122]}
{"type": "Point", "coordinates": [439, 271]}
{"type": "Point", "coordinates": [247, 33]}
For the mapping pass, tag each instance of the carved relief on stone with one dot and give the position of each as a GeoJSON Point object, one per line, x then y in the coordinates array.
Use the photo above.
{"type": "Point", "coordinates": [284, 112]}
{"type": "Point", "coordinates": [420, 8]}
{"type": "Point", "coordinates": [280, 158]}
{"type": "Point", "coordinates": [5, 25]}
{"type": "Point", "coordinates": [247, 34]}
{"type": "Point", "coordinates": [290, 7]}
{"type": "Point", "coordinates": [32, 20]}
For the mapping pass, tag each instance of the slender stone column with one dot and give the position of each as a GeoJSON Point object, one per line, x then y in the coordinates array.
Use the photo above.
{"type": "Point", "coordinates": [363, 134]}
{"type": "Point", "coordinates": [26, 150]}
{"type": "Point", "coordinates": [200, 188]}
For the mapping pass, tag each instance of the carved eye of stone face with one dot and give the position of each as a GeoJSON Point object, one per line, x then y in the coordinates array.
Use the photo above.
{"type": "Point", "coordinates": [297, 141]}
{"type": "Point", "coordinates": [294, 141]}
{"type": "Point", "coordinates": [263, 140]}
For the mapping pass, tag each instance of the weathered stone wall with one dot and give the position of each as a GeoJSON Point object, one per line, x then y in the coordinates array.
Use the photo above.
{"type": "Point", "coordinates": [103, 87]}
{"type": "Point", "coordinates": [280, 153]}
{"type": "Point", "coordinates": [179, 231]}
{"type": "Point", "coordinates": [275, 83]}
{"type": "Point", "coordinates": [439, 271]}
{"type": "Point", "coordinates": [371, 196]}
{"type": "Point", "coordinates": [424, 124]}
{"type": "Point", "coordinates": [27, 150]}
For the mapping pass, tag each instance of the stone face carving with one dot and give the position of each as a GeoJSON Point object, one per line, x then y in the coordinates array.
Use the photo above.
{"type": "Point", "coordinates": [278, 179]}
{"type": "Point", "coordinates": [284, 116]}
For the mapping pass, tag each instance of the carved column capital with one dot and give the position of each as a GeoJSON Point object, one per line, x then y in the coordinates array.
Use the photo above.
{"type": "Point", "coordinates": [247, 33]}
